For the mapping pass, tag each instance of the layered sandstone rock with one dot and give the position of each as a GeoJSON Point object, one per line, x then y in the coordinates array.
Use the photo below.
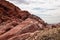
{"type": "Point", "coordinates": [17, 24]}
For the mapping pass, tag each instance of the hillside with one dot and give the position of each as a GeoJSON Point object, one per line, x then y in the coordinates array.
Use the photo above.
{"type": "Point", "coordinates": [17, 24]}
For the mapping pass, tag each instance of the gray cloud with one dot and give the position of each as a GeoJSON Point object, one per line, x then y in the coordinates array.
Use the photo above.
{"type": "Point", "coordinates": [19, 1]}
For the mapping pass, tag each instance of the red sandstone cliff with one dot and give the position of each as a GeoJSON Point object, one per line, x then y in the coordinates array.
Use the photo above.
{"type": "Point", "coordinates": [17, 24]}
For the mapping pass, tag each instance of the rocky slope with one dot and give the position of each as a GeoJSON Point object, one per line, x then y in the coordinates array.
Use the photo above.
{"type": "Point", "coordinates": [17, 24]}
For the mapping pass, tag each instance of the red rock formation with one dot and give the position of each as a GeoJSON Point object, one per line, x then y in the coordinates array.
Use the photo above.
{"type": "Point", "coordinates": [21, 37]}
{"type": "Point", "coordinates": [15, 22]}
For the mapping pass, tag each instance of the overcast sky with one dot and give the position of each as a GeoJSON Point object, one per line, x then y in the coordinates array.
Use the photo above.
{"type": "Point", "coordinates": [48, 10]}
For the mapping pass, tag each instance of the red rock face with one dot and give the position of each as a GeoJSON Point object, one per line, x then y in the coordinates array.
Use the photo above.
{"type": "Point", "coordinates": [14, 21]}
{"type": "Point", "coordinates": [16, 24]}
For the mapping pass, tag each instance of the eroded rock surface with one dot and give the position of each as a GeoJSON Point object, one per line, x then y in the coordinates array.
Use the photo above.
{"type": "Point", "coordinates": [17, 24]}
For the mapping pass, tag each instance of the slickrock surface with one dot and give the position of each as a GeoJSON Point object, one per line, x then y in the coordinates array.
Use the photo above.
{"type": "Point", "coordinates": [17, 24]}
